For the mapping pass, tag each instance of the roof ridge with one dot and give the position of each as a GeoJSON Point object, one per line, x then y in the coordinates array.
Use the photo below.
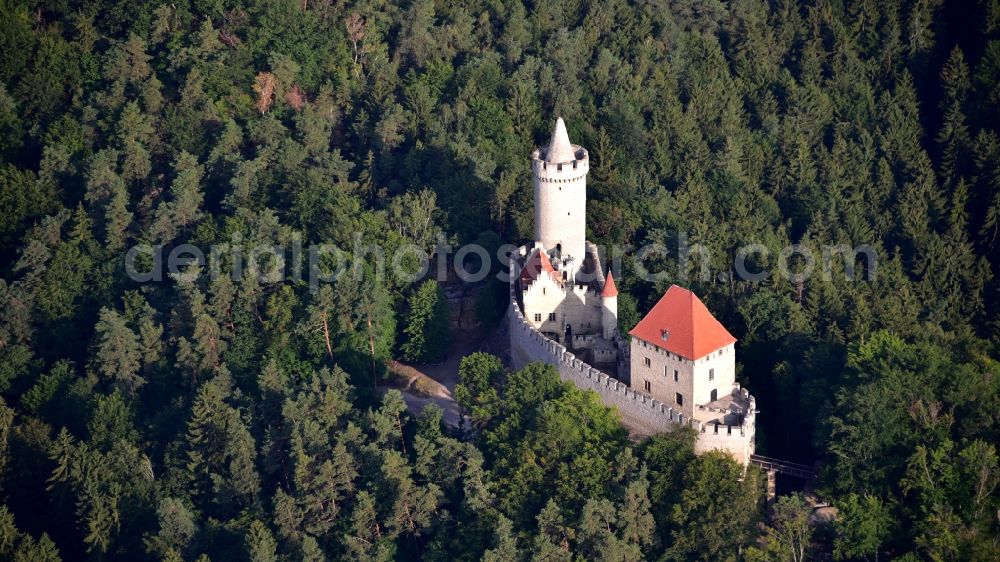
{"type": "Point", "coordinates": [543, 264]}
{"type": "Point", "coordinates": [681, 323]}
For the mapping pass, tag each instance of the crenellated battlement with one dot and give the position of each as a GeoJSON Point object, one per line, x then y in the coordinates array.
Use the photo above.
{"type": "Point", "coordinates": [737, 438]}
{"type": "Point", "coordinates": [579, 289]}
{"type": "Point", "coordinates": [529, 345]}
{"type": "Point", "coordinates": [575, 303]}
{"type": "Point", "coordinates": [640, 413]}
{"type": "Point", "coordinates": [561, 172]}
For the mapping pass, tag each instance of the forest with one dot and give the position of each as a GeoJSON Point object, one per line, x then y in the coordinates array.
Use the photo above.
{"type": "Point", "coordinates": [205, 418]}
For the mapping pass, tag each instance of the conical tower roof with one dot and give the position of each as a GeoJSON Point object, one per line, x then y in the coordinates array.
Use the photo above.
{"type": "Point", "coordinates": [610, 289]}
{"type": "Point", "coordinates": [560, 149]}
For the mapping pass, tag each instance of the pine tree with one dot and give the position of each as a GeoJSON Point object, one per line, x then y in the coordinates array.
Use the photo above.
{"type": "Point", "coordinates": [427, 331]}
{"type": "Point", "coordinates": [134, 134]}
{"type": "Point", "coordinates": [118, 352]}
{"type": "Point", "coordinates": [177, 528]}
{"type": "Point", "coordinates": [208, 436]}
{"type": "Point", "coordinates": [184, 207]}
{"type": "Point", "coordinates": [22, 547]}
{"type": "Point", "coordinates": [319, 325]}
{"type": "Point", "coordinates": [505, 545]}
{"type": "Point", "coordinates": [552, 542]}
{"type": "Point", "coordinates": [111, 422]}
{"type": "Point", "coordinates": [635, 518]}
{"type": "Point", "coordinates": [6, 424]}
{"type": "Point", "coordinates": [366, 539]}
{"type": "Point", "coordinates": [107, 197]}
{"type": "Point", "coordinates": [260, 545]}
{"type": "Point", "coordinates": [237, 483]}
{"type": "Point", "coordinates": [321, 487]}
{"type": "Point", "coordinates": [409, 506]}
{"type": "Point", "coordinates": [596, 535]}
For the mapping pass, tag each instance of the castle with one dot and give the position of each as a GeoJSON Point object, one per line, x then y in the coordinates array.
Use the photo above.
{"type": "Point", "coordinates": [678, 365]}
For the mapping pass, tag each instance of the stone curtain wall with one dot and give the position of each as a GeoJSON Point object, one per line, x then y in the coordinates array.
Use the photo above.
{"type": "Point", "coordinates": [640, 413]}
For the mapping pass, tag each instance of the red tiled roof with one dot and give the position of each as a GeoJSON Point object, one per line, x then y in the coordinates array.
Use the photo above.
{"type": "Point", "coordinates": [680, 323]}
{"type": "Point", "coordinates": [537, 263]}
{"type": "Point", "coordinates": [610, 290]}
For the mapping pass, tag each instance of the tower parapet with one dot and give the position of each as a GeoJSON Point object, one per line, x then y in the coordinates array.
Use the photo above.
{"type": "Point", "coordinates": [678, 369]}
{"type": "Point", "coordinates": [559, 171]}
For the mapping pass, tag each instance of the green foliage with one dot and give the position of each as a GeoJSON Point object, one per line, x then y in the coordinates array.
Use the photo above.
{"type": "Point", "coordinates": [480, 375]}
{"type": "Point", "coordinates": [427, 329]}
{"type": "Point", "coordinates": [15, 545]}
{"type": "Point", "coordinates": [111, 422]}
{"type": "Point", "coordinates": [789, 537]}
{"type": "Point", "coordinates": [925, 395]}
{"type": "Point", "coordinates": [232, 417]}
{"type": "Point", "coordinates": [260, 545]}
{"type": "Point", "coordinates": [550, 439]}
{"type": "Point", "coordinates": [863, 525]}
{"type": "Point", "coordinates": [118, 352]}
{"type": "Point", "coordinates": [716, 511]}
{"type": "Point", "coordinates": [23, 200]}
{"type": "Point", "coordinates": [220, 450]}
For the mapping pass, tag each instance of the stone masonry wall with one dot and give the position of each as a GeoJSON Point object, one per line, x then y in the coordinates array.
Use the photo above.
{"type": "Point", "coordinates": [641, 414]}
{"type": "Point", "coordinates": [738, 439]}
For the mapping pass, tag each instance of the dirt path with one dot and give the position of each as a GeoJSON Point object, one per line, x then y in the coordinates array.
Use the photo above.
{"type": "Point", "coordinates": [434, 384]}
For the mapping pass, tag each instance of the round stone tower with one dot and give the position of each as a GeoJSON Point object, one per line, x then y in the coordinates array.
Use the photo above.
{"type": "Point", "coordinates": [560, 174]}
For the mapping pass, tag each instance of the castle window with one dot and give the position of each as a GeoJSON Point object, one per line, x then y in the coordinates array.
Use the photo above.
{"type": "Point", "coordinates": [677, 375]}
{"type": "Point", "coordinates": [552, 317]}
{"type": "Point", "coordinates": [647, 386]}
{"type": "Point", "coordinates": [543, 290]}
{"type": "Point", "coordinates": [664, 334]}
{"type": "Point", "coordinates": [538, 318]}
{"type": "Point", "coordinates": [648, 362]}
{"type": "Point", "coordinates": [711, 374]}
{"type": "Point", "coordinates": [679, 399]}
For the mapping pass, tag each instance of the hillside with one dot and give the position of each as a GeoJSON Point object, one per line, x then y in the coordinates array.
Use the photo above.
{"type": "Point", "coordinates": [197, 414]}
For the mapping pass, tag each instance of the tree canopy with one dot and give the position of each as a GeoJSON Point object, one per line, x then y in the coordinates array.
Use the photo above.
{"type": "Point", "coordinates": [216, 417]}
